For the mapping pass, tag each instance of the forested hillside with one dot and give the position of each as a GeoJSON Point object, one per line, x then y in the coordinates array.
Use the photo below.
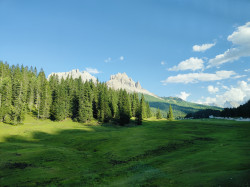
{"type": "Point", "coordinates": [24, 90]}
{"type": "Point", "coordinates": [180, 107]}
{"type": "Point", "coordinates": [241, 111]}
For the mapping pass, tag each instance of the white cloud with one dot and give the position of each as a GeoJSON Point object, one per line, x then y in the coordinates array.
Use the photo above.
{"type": "Point", "coordinates": [92, 70]}
{"type": "Point", "coordinates": [239, 76]}
{"type": "Point", "coordinates": [121, 58]}
{"type": "Point", "coordinates": [162, 63]}
{"type": "Point", "coordinates": [241, 39]}
{"type": "Point", "coordinates": [248, 79]}
{"type": "Point", "coordinates": [183, 95]}
{"type": "Point", "coordinates": [203, 47]}
{"type": "Point", "coordinates": [189, 64]}
{"type": "Point", "coordinates": [212, 89]}
{"type": "Point", "coordinates": [247, 70]}
{"type": "Point", "coordinates": [236, 95]}
{"type": "Point", "coordinates": [108, 60]}
{"type": "Point", "coordinates": [196, 77]}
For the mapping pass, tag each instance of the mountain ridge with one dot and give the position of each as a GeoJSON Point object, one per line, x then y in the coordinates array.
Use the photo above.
{"type": "Point", "coordinates": [123, 81]}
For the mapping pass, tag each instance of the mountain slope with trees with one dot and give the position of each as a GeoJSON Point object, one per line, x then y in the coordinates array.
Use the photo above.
{"type": "Point", "coordinates": [180, 107]}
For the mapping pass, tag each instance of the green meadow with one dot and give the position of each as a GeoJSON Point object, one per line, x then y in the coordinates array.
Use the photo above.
{"type": "Point", "coordinates": [157, 153]}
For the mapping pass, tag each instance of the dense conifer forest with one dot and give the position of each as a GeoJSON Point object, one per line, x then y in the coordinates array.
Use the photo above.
{"type": "Point", "coordinates": [241, 111]}
{"type": "Point", "coordinates": [24, 90]}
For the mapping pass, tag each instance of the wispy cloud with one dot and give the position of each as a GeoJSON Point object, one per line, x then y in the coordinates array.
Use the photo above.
{"type": "Point", "coordinates": [108, 60]}
{"type": "Point", "coordinates": [192, 63]}
{"type": "Point", "coordinates": [247, 70]}
{"type": "Point", "coordinates": [241, 39]}
{"type": "Point", "coordinates": [163, 63]}
{"type": "Point", "coordinates": [203, 47]}
{"type": "Point", "coordinates": [199, 77]}
{"type": "Point", "coordinates": [92, 70]}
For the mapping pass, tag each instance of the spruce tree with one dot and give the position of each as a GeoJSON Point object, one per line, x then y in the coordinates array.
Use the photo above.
{"type": "Point", "coordinates": [148, 110]}
{"type": "Point", "coordinates": [170, 116]}
{"type": "Point", "coordinates": [158, 114]}
{"type": "Point", "coordinates": [124, 108]}
{"type": "Point", "coordinates": [143, 107]}
{"type": "Point", "coordinates": [139, 116]}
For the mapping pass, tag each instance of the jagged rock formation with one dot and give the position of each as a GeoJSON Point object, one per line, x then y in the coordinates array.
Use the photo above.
{"type": "Point", "coordinates": [122, 81]}
{"type": "Point", "coordinates": [75, 73]}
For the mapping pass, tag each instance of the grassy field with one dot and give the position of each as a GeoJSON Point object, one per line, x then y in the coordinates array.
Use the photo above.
{"type": "Point", "coordinates": [158, 153]}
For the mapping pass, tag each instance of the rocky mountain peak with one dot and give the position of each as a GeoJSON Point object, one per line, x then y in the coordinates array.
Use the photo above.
{"type": "Point", "coordinates": [122, 81]}
{"type": "Point", "coordinates": [138, 85]}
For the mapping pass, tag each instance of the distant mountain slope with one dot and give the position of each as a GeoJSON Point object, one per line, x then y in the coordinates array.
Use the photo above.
{"type": "Point", "coordinates": [180, 107]}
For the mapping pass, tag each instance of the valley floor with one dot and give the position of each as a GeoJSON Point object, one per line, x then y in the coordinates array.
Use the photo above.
{"type": "Point", "coordinates": [158, 153]}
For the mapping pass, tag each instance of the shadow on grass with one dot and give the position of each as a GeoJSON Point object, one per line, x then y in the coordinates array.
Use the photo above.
{"type": "Point", "coordinates": [100, 155]}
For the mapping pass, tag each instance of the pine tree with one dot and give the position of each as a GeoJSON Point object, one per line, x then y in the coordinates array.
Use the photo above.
{"type": "Point", "coordinates": [143, 107]}
{"type": "Point", "coordinates": [18, 99]}
{"type": "Point", "coordinates": [101, 104]}
{"type": "Point", "coordinates": [148, 110]}
{"type": "Point", "coordinates": [6, 100]}
{"type": "Point", "coordinates": [170, 116]}
{"type": "Point", "coordinates": [44, 95]}
{"type": "Point", "coordinates": [124, 108]}
{"type": "Point", "coordinates": [134, 104]}
{"type": "Point", "coordinates": [85, 104]}
{"type": "Point", "coordinates": [139, 116]}
{"type": "Point", "coordinates": [158, 114]}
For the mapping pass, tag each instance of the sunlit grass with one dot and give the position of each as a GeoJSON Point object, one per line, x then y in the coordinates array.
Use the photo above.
{"type": "Point", "coordinates": [159, 152]}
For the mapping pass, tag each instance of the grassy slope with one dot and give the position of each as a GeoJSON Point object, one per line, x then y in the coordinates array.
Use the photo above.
{"type": "Point", "coordinates": [180, 107]}
{"type": "Point", "coordinates": [178, 153]}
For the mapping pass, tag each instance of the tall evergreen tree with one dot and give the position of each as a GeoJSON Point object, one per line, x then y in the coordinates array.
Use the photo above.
{"type": "Point", "coordinates": [170, 114]}
{"type": "Point", "coordinates": [158, 114]}
{"type": "Point", "coordinates": [143, 107]}
{"type": "Point", "coordinates": [139, 116]}
{"type": "Point", "coordinates": [148, 110]}
{"type": "Point", "coordinates": [124, 108]}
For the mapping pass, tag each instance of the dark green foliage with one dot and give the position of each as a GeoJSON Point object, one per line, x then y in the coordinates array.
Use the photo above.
{"type": "Point", "coordinates": [139, 117]}
{"type": "Point", "coordinates": [148, 110]}
{"type": "Point", "coordinates": [158, 114]}
{"type": "Point", "coordinates": [24, 90]}
{"type": "Point", "coordinates": [124, 107]}
{"type": "Point", "coordinates": [170, 115]}
{"type": "Point", "coordinates": [143, 107]}
{"type": "Point", "coordinates": [203, 114]}
{"type": "Point", "coordinates": [241, 111]}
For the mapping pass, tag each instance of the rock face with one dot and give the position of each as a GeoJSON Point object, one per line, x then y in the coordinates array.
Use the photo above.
{"type": "Point", "coordinates": [75, 73]}
{"type": "Point", "coordinates": [122, 81]}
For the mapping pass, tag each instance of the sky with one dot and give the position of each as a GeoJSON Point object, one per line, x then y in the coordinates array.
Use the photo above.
{"type": "Point", "coordinates": [196, 50]}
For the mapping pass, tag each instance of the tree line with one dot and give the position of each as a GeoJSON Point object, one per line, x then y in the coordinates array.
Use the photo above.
{"type": "Point", "coordinates": [170, 115]}
{"type": "Point", "coordinates": [241, 111]}
{"type": "Point", "coordinates": [24, 90]}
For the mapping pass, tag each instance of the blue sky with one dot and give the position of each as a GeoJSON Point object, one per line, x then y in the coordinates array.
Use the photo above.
{"type": "Point", "coordinates": [151, 40]}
